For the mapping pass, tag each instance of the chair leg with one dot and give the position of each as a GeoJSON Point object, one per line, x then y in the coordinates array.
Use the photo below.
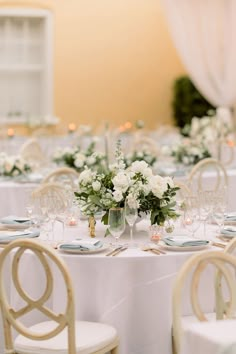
{"type": "Point", "coordinates": [114, 350]}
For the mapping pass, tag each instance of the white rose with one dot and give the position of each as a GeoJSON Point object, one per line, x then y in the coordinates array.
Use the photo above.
{"type": "Point", "coordinates": [121, 181]}
{"type": "Point", "coordinates": [141, 167]}
{"type": "Point", "coordinates": [118, 195]}
{"type": "Point", "coordinates": [170, 181]}
{"type": "Point", "coordinates": [78, 163]}
{"type": "Point", "coordinates": [15, 173]}
{"type": "Point", "coordinates": [132, 201]}
{"type": "Point", "coordinates": [96, 186]}
{"type": "Point", "coordinates": [91, 160]}
{"type": "Point", "coordinates": [86, 176]}
{"type": "Point", "coordinates": [9, 164]}
{"type": "Point", "coordinates": [158, 186]}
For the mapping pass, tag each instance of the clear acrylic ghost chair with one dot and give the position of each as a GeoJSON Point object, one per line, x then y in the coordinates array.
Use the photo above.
{"type": "Point", "coordinates": [195, 266]}
{"type": "Point", "coordinates": [66, 175]}
{"type": "Point", "coordinates": [61, 333]}
{"type": "Point", "coordinates": [32, 152]}
{"type": "Point", "coordinates": [208, 165]}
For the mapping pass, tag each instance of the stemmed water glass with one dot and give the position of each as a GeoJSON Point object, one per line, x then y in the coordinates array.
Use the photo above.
{"type": "Point", "coordinates": [131, 215]}
{"type": "Point", "coordinates": [192, 215]}
{"type": "Point", "coordinates": [116, 222]}
{"type": "Point", "coordinates": [206, 201]}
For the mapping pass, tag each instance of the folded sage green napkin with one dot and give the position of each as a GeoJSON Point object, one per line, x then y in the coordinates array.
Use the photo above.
{"type": "Point", "coordinates": [230, 217]}
{"type": "Point", "coordinates": [82, 245]}
{"type": "Point", "coordinates": [15, 235]}
{"type": "Point", "coordinates": [182, 241]}
{"type": "Point", "coordinates": [12, 219]}
{"type": "Point", "coordinates": [229, 231]}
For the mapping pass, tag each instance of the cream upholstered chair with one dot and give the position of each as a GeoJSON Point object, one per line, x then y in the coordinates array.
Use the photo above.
{"type": "Point", "coordinates": [66, 175]}
{"type": "Point", "coordinates": [61, 333]}
{"type": "Point", "coordinates": [32, 152]}
{"type": "Point", "coordinates": [209, 164]}
{"type": "Point", "coordinates": [195, 266]}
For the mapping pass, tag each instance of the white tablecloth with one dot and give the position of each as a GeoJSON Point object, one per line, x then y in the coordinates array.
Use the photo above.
{"type": "Point", "coordinates": [131, 291]}
{"type": "Point", "coordinates": [210, 338]}
{"type": "Point", "coordinates": [14, 197]}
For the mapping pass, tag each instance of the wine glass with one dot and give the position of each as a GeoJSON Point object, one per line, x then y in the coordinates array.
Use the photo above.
{"type": "Point", "coordinates": [206, 201]}
{"type": "Point", "coordinates": [131, 215]}
{"type": "Point", "coordinates": [116, 222]}
{"type": "Point", "coordinates": [219, 215]}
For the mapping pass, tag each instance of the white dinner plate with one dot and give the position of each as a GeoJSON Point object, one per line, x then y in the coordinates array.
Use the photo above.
{"type": "Point", "coordinates": [78, 251]}
{"type": "Point", "coordinates": [14, 235]}
{"type": "Point", "coordinates": [18, 226]}
{"type": "Point", "coordinates": [184, 249]}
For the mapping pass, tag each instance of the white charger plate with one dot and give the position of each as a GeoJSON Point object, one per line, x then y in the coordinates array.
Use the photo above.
{"type": "Point", "coordinates": [184, 249]}
{"type": "Point", "coordinates": [78, 251]}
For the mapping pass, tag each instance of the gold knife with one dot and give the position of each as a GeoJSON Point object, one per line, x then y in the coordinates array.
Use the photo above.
{"type": "Point", "coordinates": [119, 251]}
{"type": "Point", "coordinates": [115, 250]}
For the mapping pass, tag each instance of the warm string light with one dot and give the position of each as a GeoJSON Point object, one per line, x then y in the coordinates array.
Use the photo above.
{"type": "Point", "coordinates": [231, 143]}
{"type": "Point", "coordinates": [71, 128]}
{"type": "Point", "coordinates": [72, 221]}
{"type": "Point", "coordinates": [10, 132]}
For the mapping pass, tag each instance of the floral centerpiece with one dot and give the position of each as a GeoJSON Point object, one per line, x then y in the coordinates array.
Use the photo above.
{"type": "Point", "coordinates": [13, 166]}
{"type": "Point", "coordinates": [78, 159]}
{"type": "Point", "coordinates": [144, 155]}
{"type": "Point", "coordinates": [189, 152]}
{"type": "Point", "coordinates": [212, 128]}
{"type": "Point", "coordinates": [145, 191]}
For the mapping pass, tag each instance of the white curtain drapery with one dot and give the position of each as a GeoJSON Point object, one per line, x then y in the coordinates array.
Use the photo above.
{"type": "Point", "coordinates": [204, 33]}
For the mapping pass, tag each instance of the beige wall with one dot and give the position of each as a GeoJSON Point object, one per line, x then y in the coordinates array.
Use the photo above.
{"type": "Point", "coordinates": [113, 60]}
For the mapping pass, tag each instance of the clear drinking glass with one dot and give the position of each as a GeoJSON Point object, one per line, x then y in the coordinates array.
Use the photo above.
{"type": "Point", "coordinates": [131, 215]}
{"type": "Point", "coordinates": [192, 215]}
{"type": "Point", "coordinates": [116, 222]}
{"type": "Point", "coordinates": [219, 216]}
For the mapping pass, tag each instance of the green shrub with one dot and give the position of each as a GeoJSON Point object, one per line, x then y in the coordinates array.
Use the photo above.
{"type": "Point", "coordinates": [188, 102]}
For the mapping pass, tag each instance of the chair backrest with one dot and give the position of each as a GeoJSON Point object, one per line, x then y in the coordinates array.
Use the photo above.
{"type": "Point", "coordinates": [144, 143]}
{"type": "Point", "coordinates": [53, 196]}
{"type": "Point", "coordinates": [221, 305]}
{"type": "Point", "coordinates": [32, 152]}
{"type": "Point", "coordinates": [195, 266]}
{"type": "Point", "coordinates": [65, 175]}
{"type": "Point", "coordinates": [208, 165]}
{"type": "Point", "coordinates": [11, 317]}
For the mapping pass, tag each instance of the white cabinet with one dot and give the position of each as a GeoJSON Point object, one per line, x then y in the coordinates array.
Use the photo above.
{"type": "Point", "coordinates": [25, 64]}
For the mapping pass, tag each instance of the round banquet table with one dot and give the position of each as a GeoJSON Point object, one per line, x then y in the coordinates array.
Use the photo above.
{"type": "Point", "coordinates": [131, 291]}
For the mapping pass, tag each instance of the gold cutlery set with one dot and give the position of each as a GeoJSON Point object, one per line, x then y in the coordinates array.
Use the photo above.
{"type": "Point", "coordinates": [116, 251]}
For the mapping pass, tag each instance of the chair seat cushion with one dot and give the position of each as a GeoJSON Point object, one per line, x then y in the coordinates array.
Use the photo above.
{"type": "Point", "coordinates": [90, 337]}
{"type": "Point", "coordinates": [189, 320]}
